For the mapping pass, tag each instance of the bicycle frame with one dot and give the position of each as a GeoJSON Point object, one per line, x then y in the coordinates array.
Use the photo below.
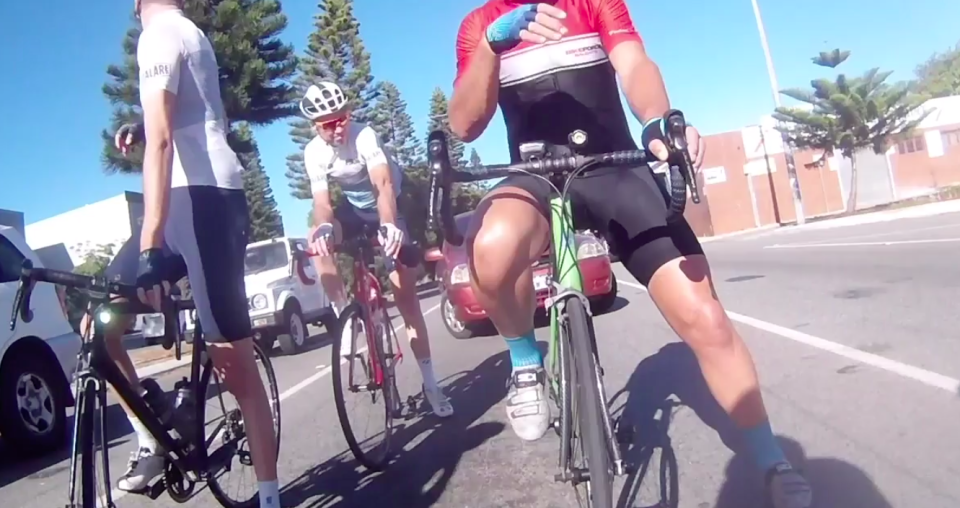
{"type": "Point", "coordinates": [97, 366]}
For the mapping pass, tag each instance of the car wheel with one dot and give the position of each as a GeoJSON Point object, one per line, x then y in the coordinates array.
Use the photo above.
{"type": "Point", "coordinates": [32, 409]}
{"type": "Point", "coordinates": [295, 335]}
{"type": "Point", "coordinates": [266, 339]}
{"type": "Point", "coordinates": [603, 303]}
{"type": "Point", "coordinates": [459, 329]}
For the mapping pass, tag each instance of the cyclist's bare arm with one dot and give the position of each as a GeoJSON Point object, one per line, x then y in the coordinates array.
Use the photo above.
{"type": "Point", "coordinates": [641, 80]}
{"type": "Point", "coordinates": [477, 86]}
{"type": "Point", "coordinates": [158, 96]}
{"type": "Point", "coordinates": [382, 180]}
{"type": "Point", "coordinates": [322, 207]}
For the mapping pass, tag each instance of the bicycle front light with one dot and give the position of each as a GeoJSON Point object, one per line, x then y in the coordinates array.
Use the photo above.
{"type": "Point", "coordinates": [460, 275]}
{"type": "Point", "coordinates": [588, 246]}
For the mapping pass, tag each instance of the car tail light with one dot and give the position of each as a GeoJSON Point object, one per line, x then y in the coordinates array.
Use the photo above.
{"type": "Point", "coordinates": [460, 275]}
{"type": "Point", "coordinates": [588, 246]}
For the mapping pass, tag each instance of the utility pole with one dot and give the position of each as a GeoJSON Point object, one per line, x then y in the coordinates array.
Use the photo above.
{"type": "Point", "coordinates": [787, 149]}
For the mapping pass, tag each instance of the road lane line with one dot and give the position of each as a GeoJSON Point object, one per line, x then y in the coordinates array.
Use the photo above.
{"type": "Point", "coordinates": [929, 378]}
{"type": "Point", "coordinates": [860, 244]}
{"type": "Point", "coordinates": [118, 494]}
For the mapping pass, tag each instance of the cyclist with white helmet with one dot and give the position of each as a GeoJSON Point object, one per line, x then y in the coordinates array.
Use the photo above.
{"type": "Point", "coordinates": [350, 154]}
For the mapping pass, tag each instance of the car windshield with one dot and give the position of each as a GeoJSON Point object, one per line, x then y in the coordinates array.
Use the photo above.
{"type": "Point", "coordinates": [265, 257]}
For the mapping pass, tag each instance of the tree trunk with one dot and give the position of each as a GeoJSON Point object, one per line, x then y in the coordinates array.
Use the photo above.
{"type": "Point", "coordinates": [852, 197]}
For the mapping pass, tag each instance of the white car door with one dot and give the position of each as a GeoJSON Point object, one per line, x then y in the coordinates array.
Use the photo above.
{"type": "Point", "coordinates": [10, 262]}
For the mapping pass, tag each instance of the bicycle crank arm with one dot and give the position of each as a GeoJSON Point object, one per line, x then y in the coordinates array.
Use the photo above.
{"type": "Point", "coordinates": [572, 476]}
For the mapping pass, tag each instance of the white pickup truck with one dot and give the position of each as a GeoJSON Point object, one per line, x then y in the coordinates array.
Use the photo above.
{"type": "Point", "coordinates": [281, 305]}
{"type": "Point", "coordinates": [37, 359]}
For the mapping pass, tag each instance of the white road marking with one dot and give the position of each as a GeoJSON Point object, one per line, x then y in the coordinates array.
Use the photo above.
{"type": "Point", "coordinates": [861, 244]}
{"type": "Point", "coordinates": [924, 376]}
{"type": "Point", "coordinates": [118, 494]}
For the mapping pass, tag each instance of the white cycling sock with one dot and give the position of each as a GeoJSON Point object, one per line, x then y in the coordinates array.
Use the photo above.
{"type": "Point", "coordinates": [144, 437]}
{"type": "Point", "coordinates": [429, 377]}
{"type": "Point", "coordinates": [270, 494]}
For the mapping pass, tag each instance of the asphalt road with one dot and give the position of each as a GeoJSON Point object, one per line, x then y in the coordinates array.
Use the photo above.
{"type": "Point", "coordinates": [853, 330]}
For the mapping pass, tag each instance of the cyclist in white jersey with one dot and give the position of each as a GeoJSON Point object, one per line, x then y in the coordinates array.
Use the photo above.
{"type": "Point", "coordinates": [195, 224]}
{"type": "Point", "coordinates": [350, 154]}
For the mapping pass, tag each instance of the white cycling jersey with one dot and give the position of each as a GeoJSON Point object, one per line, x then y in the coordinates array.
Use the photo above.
{"type": "Point", "coordinates": [174, 55]}
{"type": "Point", "coordinates": [348, 165]}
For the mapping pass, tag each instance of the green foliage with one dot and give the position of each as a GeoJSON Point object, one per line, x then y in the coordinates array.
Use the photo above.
{"type": "Point", "coordinates": [265, 219]}
{"type": "Point", "coordinates": [940, 75]}
{"type": "Point", "coordinates": [440, 121]}
{"type": "Point", "coordinates": [393, 124]}
{"type": "Point", "coordinates": [474, 158]}
{"type": "Point", "coordinates": [254, 68]}
{"type": "Point", "coordinates": [848, 114]}
{"type": "Point", "coordinates": [335, 52]}
{"type": "Point", "coordinates": [94, 263]}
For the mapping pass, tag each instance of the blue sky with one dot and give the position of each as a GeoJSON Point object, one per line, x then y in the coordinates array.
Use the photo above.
{"type": "Point", "coordinates": [708, 50]}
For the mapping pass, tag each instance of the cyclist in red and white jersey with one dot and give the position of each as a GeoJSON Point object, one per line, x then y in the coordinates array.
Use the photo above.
{"type": "Point", "coordinates": [553, 68]}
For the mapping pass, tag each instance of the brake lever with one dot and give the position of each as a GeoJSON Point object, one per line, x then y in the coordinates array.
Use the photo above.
{"type": "Point", "coordinates": [677, 139]}
{"type": "Point", "coordinates": [21, 302]}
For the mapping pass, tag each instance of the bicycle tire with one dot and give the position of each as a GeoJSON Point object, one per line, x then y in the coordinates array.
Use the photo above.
{"type": "Point", "coordinates": [589, 405]}
{"type": "Point", "coordinates": [370, 461]}
{"type": "Point", "coordinates": [273, 396]}
{"type": "Point", "coordinates": [85, 435]}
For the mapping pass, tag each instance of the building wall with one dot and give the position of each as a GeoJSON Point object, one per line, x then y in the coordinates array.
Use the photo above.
{"type": "Point", "coordinates": [12, 219]}
{"type": "Point", "coordinates": [106, 222]}
{"type": "Point", "coordinates": [745, 182]}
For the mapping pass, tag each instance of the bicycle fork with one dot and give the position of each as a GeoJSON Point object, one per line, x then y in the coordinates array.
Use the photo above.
{"type": "Point", "coordinates": [83, 379]}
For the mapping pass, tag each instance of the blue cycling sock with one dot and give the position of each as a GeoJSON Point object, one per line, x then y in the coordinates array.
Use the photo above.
{"type": "Point", "coordinates": [524, 351]}
{"type": "Point", "coordinates": [766, 450]}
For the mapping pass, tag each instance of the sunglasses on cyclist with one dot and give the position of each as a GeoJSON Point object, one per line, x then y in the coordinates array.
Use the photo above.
{"type": "Point", "coordinates": [331, 125]}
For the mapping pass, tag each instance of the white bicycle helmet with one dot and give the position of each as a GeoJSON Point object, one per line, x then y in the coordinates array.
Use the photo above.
{"type": "Point", "coordinates": [321, 100]}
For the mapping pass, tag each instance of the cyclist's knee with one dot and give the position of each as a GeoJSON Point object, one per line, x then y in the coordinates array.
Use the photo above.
{"type": "Point", "coordinates": [506, 235]}
{"type": "Point", "coordinates": [691, 307]}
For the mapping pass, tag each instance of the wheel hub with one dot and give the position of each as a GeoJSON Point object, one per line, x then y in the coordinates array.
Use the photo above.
{"type": "Point", "coordinates": [297, 329]}
{"type": "Point", "coordinates": [35, 403]}
{"type": "Point", "coordinates": [450, 314]}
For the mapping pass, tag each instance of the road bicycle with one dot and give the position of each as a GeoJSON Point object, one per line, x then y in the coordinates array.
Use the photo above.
{"type": "Point", "coordinates": [370, 369]}
{"type": "Point", "coordinates": [572, 364]}
{"type": "Point", "coordinates": [192, 454]}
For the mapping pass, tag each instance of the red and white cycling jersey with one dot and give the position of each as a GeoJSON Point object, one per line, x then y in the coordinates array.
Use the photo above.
{"type": "Point", "coordinates": [549, 90]}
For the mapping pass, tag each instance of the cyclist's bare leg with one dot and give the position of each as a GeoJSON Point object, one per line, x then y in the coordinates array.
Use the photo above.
{"type": "Point", "coordinates": [507, 235]}
{"type": "Point", "coordinates": [329, 274]}
{"type": "Point", "coordinates": [404, 280]}
{"type": "Point", "coordinates": [683, 290]}
{"type": "Point", "coordinates": [237, 367]}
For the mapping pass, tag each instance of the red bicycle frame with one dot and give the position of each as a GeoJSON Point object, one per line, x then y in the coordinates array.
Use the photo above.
{"type": "Point", "coordinates": [368, 293]}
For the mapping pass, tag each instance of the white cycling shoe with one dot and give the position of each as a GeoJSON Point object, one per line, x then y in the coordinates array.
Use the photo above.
{"type": "Point", "coordinates": [142, 468]}
{"type": "Point", "coordinates": [527, 407]}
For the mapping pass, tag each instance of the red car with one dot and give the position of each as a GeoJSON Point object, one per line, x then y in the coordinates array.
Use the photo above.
{"type": "Point", "coordinates": [464, 317]}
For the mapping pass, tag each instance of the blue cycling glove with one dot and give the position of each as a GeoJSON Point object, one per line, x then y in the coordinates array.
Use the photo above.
{"type": "Point", "coordinates": [504, 33]}
{"type": "Point", "coordinates": [653, 129]}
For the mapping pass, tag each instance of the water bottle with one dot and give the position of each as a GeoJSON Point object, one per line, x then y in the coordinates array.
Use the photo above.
{"type": "Point", "coordinates": [156, 400]}
{"type": "Point", "coordinates": [184, 413]}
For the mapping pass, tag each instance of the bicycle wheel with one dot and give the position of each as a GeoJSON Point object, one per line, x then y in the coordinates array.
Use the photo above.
{"type": "Point", "coordinates": [230, 433]}
{"type": "Point", "coordinates": [589, 406]}
{"type": "Point", "coordinates": [356, 377]}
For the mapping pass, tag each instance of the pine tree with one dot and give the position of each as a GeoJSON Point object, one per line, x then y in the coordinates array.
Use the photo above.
{"type": "Point", "coordinates": [265, 219]}
{"type": "Point", "coordinates": [848, 114]}
{"type": "Point", "coordinates": [335, 52]}
{"type": "Point", "coordinates": [254, 68]}
{"type": "Point", "coordinates": [474, 158]}
{"type": "Point", "coordinates": [392, 122]}
{"type": "Point", "coordinates": [439, 120]}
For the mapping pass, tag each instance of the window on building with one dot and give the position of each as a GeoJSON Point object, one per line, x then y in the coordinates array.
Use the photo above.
{"type": "Point", "coordinates": [915, 144]}
{"type": "Point", "coordinates": [951, 138]}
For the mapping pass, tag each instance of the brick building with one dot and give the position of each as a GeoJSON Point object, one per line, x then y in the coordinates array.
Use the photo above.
{"type": "Point", "coordinates": [745, 185]}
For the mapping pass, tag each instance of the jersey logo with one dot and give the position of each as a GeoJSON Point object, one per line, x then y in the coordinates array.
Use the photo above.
{"type": "Point", "coordinates": [155, 71]}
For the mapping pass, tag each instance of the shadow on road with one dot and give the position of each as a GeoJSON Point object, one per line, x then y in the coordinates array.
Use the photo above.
{"type": "Point", "coordinates": [431, 451]}
{"type": "Point", "coordinates": [672, 377]}
{"type": "Point", "coordinates": [835, 482]}
{"type": "Point", "coordinates": [14, 469]}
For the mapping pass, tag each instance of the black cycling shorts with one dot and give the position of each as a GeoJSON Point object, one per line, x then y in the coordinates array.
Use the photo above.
{"type": "Point", "coordinates": [353, 220]}
{"type": "Point", "coordinates": [206, 240]}
{"type": "Point", "coordinates": [628, 206]}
